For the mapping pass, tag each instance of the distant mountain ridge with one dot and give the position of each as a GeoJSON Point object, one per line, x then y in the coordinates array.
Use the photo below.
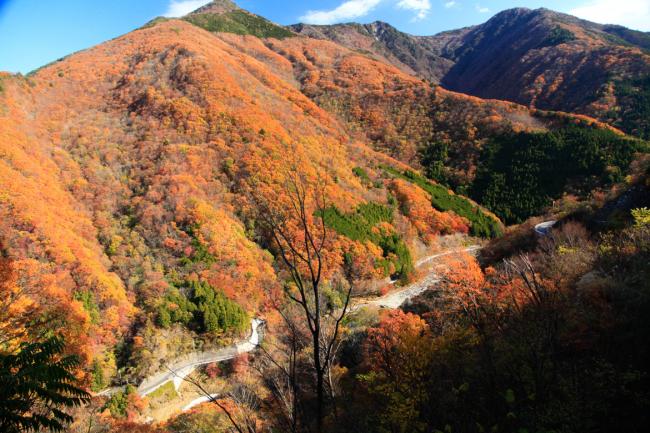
{"type": "Point", "coordinates": [539, 58]}
{"type": "Point", "coordinates": [428, 57]}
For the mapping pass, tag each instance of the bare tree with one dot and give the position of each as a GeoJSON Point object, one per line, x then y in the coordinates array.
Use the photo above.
{"type": "Point", "coordinates": [280, 368]}
{"type": "Point", "coordinates": [299, 232]}
{"type": "Point", "coordinates": [241, 411]}
{"type": "Point", "coordinates": [541, 303]}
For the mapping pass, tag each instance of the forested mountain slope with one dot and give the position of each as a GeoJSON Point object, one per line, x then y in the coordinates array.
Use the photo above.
{"type": "Point", "coordinates": [127, 172]}
{"type": "Point", "coordinates": [448, 134]}
{"type": "Point", "coordinates": [444, 133]}
{"type": "Point", "coordinates": [150, 145]}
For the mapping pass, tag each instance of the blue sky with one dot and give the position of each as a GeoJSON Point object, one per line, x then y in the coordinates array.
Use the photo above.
{"type": "Point", "coordinates": [36, 32]}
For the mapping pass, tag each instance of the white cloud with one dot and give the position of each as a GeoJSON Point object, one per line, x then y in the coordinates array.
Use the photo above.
{"type": "Point", "coordinates": [345, 11]}
{"type": "Point", "coordinates": [450, 4]}
{"type": "Point", "coordinates": [179, 8]}
{"type": "Point", "coordinates": [630, 13]}
{"type": "Point", "coordinates": [351, 9]}
{"type": "Point", "coordinates": [482, 10]}
{"type": "Point", "coordinates": [420, 7]}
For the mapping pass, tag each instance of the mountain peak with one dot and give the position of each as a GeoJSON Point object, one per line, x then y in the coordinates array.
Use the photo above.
{"type": "Point", "coordinates": [513, 13]}
{"type": "Point", "coordinates": [216, 7]}
{"type": "Point", "coordinates": [380, 25]}
{"type": "Point", "coordinates": [224, 16]}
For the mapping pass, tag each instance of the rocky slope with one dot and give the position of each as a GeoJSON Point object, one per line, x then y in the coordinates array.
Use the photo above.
{"type": "Point", "coordinates": [421, 56]}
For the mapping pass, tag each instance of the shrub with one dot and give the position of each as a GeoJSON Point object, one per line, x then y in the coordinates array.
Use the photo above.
{"type": "Point", "coordinates": [119, 402]}
{"type": "Point", "coordinates": [200, 251]}
{"type": "Point", "coordinates": [38, 386]}
{"type": "Point", "coordinates": [361, 174]}
{"type": "Point", "coordinates": [394, 245]}
{"type": "Point", "coordinates": [557, 36]}
{"type": "Point", "coordinates": [98, 381]}
{"type": "Point", "coordinates": [641, 217]}
{"type": "Point", "coordinates": [175, 308]}
{"type": "Point", "coordinates": [88, 300]}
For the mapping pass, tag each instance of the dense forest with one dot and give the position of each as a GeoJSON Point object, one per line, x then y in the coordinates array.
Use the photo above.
{"type": "Point", "coordinates": [521, 173]}
{"type": "Point", "coordinates": [636, 93]}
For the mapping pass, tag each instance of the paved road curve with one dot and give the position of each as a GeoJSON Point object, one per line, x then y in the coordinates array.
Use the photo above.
{"type": "Point", "coordinates": [543, 229]}
{"type": "Point", "coordinates": [198, 401]}
{"type": "Point", "coordinates": [395, 299]}
{"type": "Point", "coordinates": [181, 367]}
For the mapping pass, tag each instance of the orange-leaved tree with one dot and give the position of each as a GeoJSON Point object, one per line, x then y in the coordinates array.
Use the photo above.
{"type": "Point", "coordinates": [399, 353]}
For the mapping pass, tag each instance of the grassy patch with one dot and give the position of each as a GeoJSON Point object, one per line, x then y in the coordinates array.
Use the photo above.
{"type": "Point", "coordinates": [358, 225]}
{"type": "Point", "coordinates": [154, 22]}
{"type": "Point", "coordinates": [240, 23]}
{"type": "Point", "coordinates": [482, 224]}
{"type": "Point", "coordinates": [361, 174]}
{"type": "Point", "coordinates": [167, 392]}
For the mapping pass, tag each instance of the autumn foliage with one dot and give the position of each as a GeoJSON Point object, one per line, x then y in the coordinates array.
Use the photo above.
{"type": "Point", "coordinates": [151, 147]}
{"type": "Point", "coordinates": [135, 178]}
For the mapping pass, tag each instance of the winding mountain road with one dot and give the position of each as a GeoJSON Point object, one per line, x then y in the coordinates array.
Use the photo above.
{"type": "Point", "coordinates": [396, 298]}
{"type": "Point", "coordinates": [198, 401]}
{"type": "Point", "coordinates": [180, 368]}
{"type": "Point", "coordinates": [183, 366]}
